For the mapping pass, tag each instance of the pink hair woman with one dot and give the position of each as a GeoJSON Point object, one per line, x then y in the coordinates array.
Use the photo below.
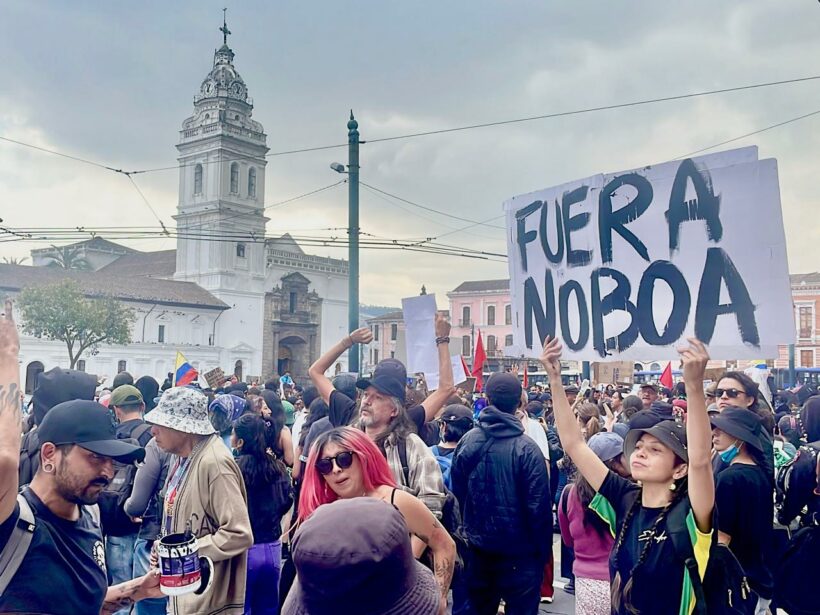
{"type": "Point", "coordinates": [344, 463]}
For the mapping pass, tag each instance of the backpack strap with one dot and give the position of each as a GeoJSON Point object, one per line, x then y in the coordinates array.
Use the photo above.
{"type": "Point", "coordinates": [484, 448]}
{"type": "Point", "coordinates": [679, 535]}
{"type": "Point", "coordinates": [401, 443]}
{"type": "Point", "coordinates": [16, 548]}
{"type": "Point", "coordinates": [139, 431]}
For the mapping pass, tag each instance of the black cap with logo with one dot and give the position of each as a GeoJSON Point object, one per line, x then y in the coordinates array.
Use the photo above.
{"type": "Point", "coordinates": [88, 425]}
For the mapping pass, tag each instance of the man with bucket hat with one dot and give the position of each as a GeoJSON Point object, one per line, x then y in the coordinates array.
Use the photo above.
{"type": "Point", "coordinates": [51, 551]}
{"type": "Point", "coordinates": [206, 493]}
{"type": "Point", "coordinates": [743, 496]}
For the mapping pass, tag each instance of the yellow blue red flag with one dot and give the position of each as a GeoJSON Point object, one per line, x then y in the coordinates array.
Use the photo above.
{"type": "Point", "coordinates": [184, 372]}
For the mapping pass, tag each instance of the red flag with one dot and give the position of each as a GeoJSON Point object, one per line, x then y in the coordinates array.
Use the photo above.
{"type": "Point", "coordinates": [479, 359]}
{"type": "Point", "coordinates": [666, 376]}
{"type": "Point", "coordinates": [526, 383]}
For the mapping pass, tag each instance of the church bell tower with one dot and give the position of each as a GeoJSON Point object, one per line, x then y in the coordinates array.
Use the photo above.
{"type": "Point", "coordinates": [221, 215]}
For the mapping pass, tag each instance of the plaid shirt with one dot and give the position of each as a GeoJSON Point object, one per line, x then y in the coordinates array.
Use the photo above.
{"type": "Point", "coordinates": [426, 482]}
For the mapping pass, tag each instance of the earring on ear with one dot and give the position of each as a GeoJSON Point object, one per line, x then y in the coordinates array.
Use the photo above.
{"type": "Point", "coordinates": [48, 468]}
{"type": "Point", "coordinates": [672, 487]}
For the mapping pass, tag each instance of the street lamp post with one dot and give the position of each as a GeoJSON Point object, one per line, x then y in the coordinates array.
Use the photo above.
{"type": "Point", "coordinates": [353, 236]}
{"type": "Point", "coordinates": [353, 354]}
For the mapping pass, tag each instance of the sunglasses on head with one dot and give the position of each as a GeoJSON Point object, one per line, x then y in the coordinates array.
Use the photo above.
{"type": "Point", "coordinates": [730, 393]}
{"type": "Point", "coordinates": [344, 460]}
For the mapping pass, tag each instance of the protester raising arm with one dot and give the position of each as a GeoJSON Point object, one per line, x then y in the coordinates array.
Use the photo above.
{"type": "Point", "coordinates": [325, 362]}
{"type": "Point", "coordinates": [698, 435]}
{"type": "Point", "coordinates": [587, 462]}
{"type": "Point", "coordinates": [10, 426]}
{"type": "Point", "coordinates": [438, 398]}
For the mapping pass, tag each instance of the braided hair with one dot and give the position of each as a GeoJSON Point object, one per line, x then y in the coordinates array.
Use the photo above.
{"type": "Point", "coordinates": [624, 595]}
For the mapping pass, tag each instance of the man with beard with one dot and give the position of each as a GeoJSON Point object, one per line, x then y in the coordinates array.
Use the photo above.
{"type": "Point", "coordinates": [63, 567]}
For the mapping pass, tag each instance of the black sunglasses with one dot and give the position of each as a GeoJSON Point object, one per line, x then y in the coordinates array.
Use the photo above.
{"type": "Point", "coordinates": [344, 460]}
{"type": "Point", "coordinates": [730, 393]}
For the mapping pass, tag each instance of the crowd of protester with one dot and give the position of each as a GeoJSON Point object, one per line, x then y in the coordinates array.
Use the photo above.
{"type": "Point", "coordinates": [367, 496]}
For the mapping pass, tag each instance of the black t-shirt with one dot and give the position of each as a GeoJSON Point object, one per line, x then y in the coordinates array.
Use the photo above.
{"type": "Point", "coordinates": [267, 503]}
{"type": "Point", "coordinates": [659, 580]}
{"type": "Point", "coordinates": [744, 498]}
{"type": "Point", "coordinates": [63, 571]}
{"type": "Point", "coordinates": [428, 431]}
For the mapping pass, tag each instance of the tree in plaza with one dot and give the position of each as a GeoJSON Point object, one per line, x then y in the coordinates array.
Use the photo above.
{"type": "Point", "coordinates": [61, 312]}
{"type": "Point", "coordinates": [69, 258]}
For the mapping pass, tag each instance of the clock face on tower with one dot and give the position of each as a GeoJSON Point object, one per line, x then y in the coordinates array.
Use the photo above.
{"type": "Point", "coordinates": [237, 89]}
{"type": "Point", "coordinates": [208, 88]}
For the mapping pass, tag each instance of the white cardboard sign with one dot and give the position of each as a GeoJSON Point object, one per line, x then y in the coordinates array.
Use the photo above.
{"type": "Point", "coordinates": [628, 265]}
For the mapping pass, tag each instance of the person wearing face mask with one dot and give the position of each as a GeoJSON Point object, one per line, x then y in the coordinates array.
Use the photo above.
{"type": "Point", "coordinates": [743, 495]}
{"type": "Point", "coordinates": [737, 390]}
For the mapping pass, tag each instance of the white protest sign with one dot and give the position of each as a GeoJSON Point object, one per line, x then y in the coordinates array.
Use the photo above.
{"type": "Point", "coordinates": [420, 337]}
{"type": "Point", "coordinates": [459, 374]}
{"type": "Point", "coordinates": [628, 265]}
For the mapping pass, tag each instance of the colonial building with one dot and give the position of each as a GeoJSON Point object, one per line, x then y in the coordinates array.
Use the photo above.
{"type": "Point", "coordinates": [226, 296]}
{"type": "Point", "coordinates": [482, 305]}
{"type": "Point", "coordinates": [806, 298]}
{"type": "Point", "coordinates": [389, 339]}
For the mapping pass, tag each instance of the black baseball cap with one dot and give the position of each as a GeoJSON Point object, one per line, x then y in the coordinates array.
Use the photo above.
{"type": "Point", "coordinates": [456, 412]}
{"type": "Point", "coordinates": [504, 391]}
{"type": "Point", "coordinates": [389, 377]}
{"type": "Point", "coordinates": [88, 425]}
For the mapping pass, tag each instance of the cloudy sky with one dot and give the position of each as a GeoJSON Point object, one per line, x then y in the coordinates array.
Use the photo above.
{"type": "Point", "coordinates": [112, 82]}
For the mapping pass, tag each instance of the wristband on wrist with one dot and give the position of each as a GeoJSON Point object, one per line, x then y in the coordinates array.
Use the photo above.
{"type": "Point", "coordinates": [442, 340]}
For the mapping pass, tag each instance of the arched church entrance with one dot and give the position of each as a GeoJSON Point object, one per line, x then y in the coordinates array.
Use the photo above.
{"type": "Point", "coordinates": [292, 356]}
{"type": "Point", "coordinates": [33, 370]}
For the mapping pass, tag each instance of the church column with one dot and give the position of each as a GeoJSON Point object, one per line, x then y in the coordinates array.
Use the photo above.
{"type": "Point", "coordinates": [275, 368]}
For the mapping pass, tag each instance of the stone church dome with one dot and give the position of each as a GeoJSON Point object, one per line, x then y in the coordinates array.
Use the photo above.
{"type": "Point", "coordinates": [223, 80]}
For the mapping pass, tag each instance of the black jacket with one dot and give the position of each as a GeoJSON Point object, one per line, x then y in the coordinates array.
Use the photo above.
{"type": "Point", "coordinates": [500, 480]}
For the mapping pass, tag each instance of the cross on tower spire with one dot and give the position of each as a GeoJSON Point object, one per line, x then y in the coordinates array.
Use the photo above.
{"type": "Point", "coordinates": [224, 28]}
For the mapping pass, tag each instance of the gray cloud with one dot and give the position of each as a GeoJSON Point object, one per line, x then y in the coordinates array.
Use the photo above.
{"type": "Point", "coordinates": [114, 82]}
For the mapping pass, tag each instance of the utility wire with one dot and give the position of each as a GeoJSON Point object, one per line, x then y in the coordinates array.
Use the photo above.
{"type": "Point", "coordinates": [454, 129]}
{"type": "Point", "coordinates": [635, 103]}
{"type": "Point", "coordinates": [145, 200]}
{"type": "Point", "coordinates": [279, 203]}
{"type": "Point", "coordinates": [424, 207]}
{"type": "Point", "coordinates": [749, 134]}
{"type": "Point", "coordinates": [62, 155]}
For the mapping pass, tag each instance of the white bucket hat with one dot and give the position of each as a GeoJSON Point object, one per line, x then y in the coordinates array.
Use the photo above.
{"type": "Point", "coordinates": [183, 409]}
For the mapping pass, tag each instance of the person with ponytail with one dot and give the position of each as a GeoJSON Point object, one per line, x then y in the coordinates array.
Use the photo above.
{"type": "Point", "coordinates": [345, 463]}
{"type": "Point", "coordinates": [675, 482]}
{"type": "Point", "coordinates": [269, 498]}
{"type": "Point", "coordinates": [589, 419]}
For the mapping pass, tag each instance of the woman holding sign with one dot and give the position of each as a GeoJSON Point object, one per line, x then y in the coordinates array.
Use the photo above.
{"type": "Point", "coordinates": [670, 508]}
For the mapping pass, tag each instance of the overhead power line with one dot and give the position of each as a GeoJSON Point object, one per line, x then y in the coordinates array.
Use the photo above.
{"type": "Point", "coordinates": [749, 134]}
{"type": "Point", "coordinates": [424, 207]}
{"type": "Point", "coordinates": [532, 118]}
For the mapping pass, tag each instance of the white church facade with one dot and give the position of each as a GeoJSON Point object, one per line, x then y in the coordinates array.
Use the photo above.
{"type": "Point", "coordinates": [226, 296]}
